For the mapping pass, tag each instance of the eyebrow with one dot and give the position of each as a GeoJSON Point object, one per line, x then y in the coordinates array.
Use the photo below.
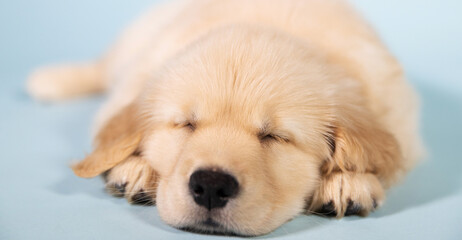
{"type": "Point", "coordinates": [264, 128]}
{"type": "Point", "coordinates": [192, 117]}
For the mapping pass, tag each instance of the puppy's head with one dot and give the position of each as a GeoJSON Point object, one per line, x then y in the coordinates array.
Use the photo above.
{"type": "Point", "coordinates": [238, 128]}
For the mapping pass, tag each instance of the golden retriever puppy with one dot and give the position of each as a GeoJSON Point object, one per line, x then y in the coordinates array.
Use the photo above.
{"type": "Point", "coordinates": [235, 116]}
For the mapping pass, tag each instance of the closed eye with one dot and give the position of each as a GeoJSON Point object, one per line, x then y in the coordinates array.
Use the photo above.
{"type": "Point", "coordinates": [270, 137]}
{"type": "Point", "coordinates": [185, 125]}
{"type": "Point", "coordinates": [190, 126]}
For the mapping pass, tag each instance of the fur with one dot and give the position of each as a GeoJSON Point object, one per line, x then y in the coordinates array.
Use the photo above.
{"type": "Point", "coordinates": [298, 99]}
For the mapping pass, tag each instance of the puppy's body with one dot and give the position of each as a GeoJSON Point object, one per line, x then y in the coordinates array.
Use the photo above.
{"type": "Point", "coordinates": [308, 72]}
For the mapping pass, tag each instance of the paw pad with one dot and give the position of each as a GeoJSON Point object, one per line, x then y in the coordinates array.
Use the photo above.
{"type": "Point", "coordinates": [328, 210]}
{"type": "Point", "coordinates": [117, 189]}
{"type": "Point", "coordinates": [353, 208]}
{"type": "Point", "coordinates": [141, 198]}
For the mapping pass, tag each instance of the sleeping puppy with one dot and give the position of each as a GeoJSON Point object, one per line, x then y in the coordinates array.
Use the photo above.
{"type": "Point", "coordinates": [235, 116]}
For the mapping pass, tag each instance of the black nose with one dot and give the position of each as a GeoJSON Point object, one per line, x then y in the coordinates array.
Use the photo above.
{"type": "Point", "coordinates": [212, 188]}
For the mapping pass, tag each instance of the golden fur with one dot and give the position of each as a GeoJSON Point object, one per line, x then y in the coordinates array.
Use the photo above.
{"type": "Point", "coordinates": [298, 99]}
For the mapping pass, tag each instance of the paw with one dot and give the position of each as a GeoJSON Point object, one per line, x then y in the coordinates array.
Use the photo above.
{"type": "Point", "coordinates": [133, 179]}
{"type": "Point", "coordinates": [345, 194]}
{"type": "Point", "coordinates": [63, 81]}
{"type": "Point", "coordinates": [47, 84]}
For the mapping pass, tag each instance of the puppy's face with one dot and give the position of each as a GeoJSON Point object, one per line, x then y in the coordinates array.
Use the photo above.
{"type": "Point", "coordinates": [238, 128]}
{"type": "Point", "coordinates": [237, 132]}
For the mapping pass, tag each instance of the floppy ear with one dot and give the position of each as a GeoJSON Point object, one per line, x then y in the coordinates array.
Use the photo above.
{"type": "Point", "coordinates": [360, 144]}
{"type": "Point", "coordinates": [115, 142]}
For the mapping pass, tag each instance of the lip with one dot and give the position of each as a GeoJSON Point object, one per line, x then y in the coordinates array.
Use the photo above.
{"type": "Point", "coordinates": [210, 227]}
{"type": "Point", "coordinates": [212, 223]}
{"type": "Point", "coordinates": [211, 232]}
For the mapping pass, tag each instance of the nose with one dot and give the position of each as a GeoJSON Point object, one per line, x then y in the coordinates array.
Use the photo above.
{"type": "Point", "coordinates": [212, 188]}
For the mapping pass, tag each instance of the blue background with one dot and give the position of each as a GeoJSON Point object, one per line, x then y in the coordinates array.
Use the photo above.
{"type": "Point", "coordinates": [40, 198]}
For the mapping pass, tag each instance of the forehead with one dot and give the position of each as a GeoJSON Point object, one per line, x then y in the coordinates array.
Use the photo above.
{"type": "Point", "coordinates": [244, 85]}
{"type": "Point", "coordinates": [250, 103]}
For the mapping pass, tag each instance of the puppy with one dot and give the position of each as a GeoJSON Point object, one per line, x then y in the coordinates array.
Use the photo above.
{"type": "Point", "coordinates": [235, 116]}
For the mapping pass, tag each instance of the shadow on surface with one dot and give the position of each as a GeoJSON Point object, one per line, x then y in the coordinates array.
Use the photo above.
{"type": "Point", "coordinates": [72, 131]}
{"type": "Point", "coordinates": [71, 185]}
{"type": "Point", "coordinates": [435, 178]}
{"type": "Point", "coordinates": [439, 175]}
{"type": "Point", "coordinates": [150, 216]}
{"type": "Point", "coordinates": [299, 224]}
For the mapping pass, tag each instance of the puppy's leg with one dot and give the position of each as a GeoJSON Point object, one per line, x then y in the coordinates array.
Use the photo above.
{"type": "Point", "coordinates": [364, 160]}
{"type": "Point", "coordinates": [347, 193]}
{"type": "Point", "coordinates": [66, 81]}
{"type": "Point", "coordinates": [133, 179]}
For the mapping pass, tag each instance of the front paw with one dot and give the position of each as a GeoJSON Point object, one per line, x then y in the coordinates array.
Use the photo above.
{"type": "Point", "coordinates": [345, 194]}
{"type": "Point", "coordinates": [133, 179]}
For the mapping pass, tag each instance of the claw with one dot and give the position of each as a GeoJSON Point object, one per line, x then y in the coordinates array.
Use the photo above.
{"type": "Point", "coordinates": [374, 204]}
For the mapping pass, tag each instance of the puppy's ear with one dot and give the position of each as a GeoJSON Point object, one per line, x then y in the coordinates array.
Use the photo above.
{"type": "Point", "coordinates": [362, 145]}
{"type": "Point", "coordinates": [115, 142]}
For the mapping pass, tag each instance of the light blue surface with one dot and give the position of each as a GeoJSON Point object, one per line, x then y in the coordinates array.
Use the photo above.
{"type": "Point", "coordinates": [41, 199]}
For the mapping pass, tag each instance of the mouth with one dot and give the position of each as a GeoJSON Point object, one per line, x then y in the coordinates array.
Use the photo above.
{"type": "Point", "coordinates": [211, 227]}
{"type": "Point", "coordinates": [212, 223]}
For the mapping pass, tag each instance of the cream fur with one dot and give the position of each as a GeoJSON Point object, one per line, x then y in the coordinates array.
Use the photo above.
{"type": "Point", "coordinates": [308, 72]}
